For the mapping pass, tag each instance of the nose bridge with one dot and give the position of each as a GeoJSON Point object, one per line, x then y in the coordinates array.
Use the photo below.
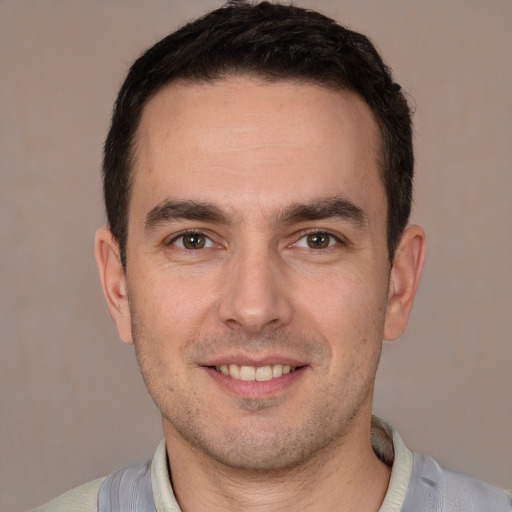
{"type": "Point", "coordinates": [255, 295]}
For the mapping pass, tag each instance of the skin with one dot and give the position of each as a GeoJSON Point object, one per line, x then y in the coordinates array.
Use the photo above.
{"type": "Point", "coordinates": [256, 159]}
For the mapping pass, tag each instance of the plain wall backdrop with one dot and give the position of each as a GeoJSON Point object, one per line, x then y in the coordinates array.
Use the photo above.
{"type": "Point", "coordinates": [73, 406]}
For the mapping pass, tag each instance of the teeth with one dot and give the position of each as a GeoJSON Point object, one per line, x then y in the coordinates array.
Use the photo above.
{"type": "Point", "coordinates": [251, 373]}
{"type": "Point", "coordinates": [247, 372]}
{"type": "Point", "coordinates": [277, 370]}
{"type": "Point", "coordinates": [234, 371]}
{"type": "Point", "coordinates": [263, 373]}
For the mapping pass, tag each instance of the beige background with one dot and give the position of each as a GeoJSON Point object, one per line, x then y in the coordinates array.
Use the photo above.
{"type": "Point", "coordinates": [73, 406]}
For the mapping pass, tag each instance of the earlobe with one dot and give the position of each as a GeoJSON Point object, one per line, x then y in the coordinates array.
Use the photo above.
{"type": "Point", "coordinates": [404, 281]}
{"type": "Point", "coordinates": [113, 282]}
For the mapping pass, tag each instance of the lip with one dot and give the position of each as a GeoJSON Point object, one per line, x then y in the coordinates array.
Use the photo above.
{"type": "Point", "coordinates": [254, 360]}
{"type": "Point", "coordinates": [256, 389]}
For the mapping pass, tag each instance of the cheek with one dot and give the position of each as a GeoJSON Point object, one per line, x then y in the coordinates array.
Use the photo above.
{"type": "Point", "coordinates": [170, 306]}
{"type": "Point", "coordinates": [347, 298]}
{"type": "Point", "coordinates": [349, 312]}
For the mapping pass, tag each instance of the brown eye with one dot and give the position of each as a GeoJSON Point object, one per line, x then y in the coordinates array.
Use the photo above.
{"type": "Point", "coordinates": [319, 240]}
{"type": "Point", "coordinates": [192, 241]}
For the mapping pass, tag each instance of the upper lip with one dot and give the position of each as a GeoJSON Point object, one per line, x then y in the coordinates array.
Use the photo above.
{"type": "Point", "coordinates": [254, 360]}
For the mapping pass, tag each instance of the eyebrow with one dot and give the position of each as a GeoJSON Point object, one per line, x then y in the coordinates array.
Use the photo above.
{"type": "Point", "coordinates": [170, 210]}
{"type": "Point", "coordinates": [323, 208]}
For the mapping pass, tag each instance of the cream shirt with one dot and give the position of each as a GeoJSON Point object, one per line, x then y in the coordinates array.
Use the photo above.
{"type": "Point", "coordinates": [386, 442]}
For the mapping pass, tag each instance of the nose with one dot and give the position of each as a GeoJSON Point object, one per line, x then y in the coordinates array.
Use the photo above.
{"type": "Point", "coordinates": [255, 296]}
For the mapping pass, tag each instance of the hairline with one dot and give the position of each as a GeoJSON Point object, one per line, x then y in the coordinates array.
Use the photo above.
{"type": "Point", "coordinates": [264, 78]}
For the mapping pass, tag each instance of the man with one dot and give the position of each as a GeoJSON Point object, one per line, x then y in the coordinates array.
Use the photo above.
{"type": "Point", "coordinates": [257, 179]}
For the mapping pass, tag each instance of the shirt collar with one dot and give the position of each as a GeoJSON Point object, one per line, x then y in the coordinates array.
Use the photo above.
{"type": "Point", "coordinates": [386, 443]}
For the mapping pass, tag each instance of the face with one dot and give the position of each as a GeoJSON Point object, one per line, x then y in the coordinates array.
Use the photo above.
{"type": "Point", "coordinates": [258, 284]}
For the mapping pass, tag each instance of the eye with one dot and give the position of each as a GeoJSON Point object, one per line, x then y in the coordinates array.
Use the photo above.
{"type": "Point", "coordinates": [192, 241]}
{"type": "Point", "coordinates": [317, 240]}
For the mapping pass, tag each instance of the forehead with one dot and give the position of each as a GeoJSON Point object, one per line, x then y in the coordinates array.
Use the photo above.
{"type": "Point", "coordinates": [248, 143]}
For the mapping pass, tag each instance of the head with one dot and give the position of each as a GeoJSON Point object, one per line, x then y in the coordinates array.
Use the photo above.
{"type": "Point", "coordinates": [273, 43]}
{"type": "Point", "coordinates": [257, 179]}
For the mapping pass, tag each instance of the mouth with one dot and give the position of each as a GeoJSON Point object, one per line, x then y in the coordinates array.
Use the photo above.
{"type": "Point", "coordinates": [256, 380]}
{"type": "Point", "coordinates": [254, 373]}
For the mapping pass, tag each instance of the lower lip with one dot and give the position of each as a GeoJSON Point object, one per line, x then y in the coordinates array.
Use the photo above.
{"type": "Point", "coordinates": [255, 389]}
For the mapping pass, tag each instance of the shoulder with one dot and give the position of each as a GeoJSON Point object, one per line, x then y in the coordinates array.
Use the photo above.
{"type": "Point", "coordinates": [419, 483]}
{"type": "Point", "coordinates": [452, 491]}
{"type": "Point", "coordinates": [508, 494]}
{"type": "Point", "coordinates": [120, 486]}
{"type": "Point", "coordinates": [80, 499]}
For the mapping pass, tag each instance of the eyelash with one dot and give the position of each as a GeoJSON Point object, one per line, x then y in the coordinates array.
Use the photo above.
{"type": "Point", "coordinates": [209, 243]}
{"type": "Point", "coordinates": [333, 240]}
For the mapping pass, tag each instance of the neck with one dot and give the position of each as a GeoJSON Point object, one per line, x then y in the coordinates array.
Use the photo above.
{"type": "Point", "coordinates": [346, 475]}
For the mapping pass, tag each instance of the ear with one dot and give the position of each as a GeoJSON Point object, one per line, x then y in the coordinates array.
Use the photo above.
{"type": "Point", "coordinates": [404, 280]}
{"type": "Point", "coordinates": [113, 282]}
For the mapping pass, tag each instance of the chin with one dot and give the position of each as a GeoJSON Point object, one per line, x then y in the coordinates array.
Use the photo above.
{"type": "Point", "coordinates": [260, 447]}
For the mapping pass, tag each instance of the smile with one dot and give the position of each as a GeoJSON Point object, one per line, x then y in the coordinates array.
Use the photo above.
{"type": "Point", "coordinates": [255, 373]}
